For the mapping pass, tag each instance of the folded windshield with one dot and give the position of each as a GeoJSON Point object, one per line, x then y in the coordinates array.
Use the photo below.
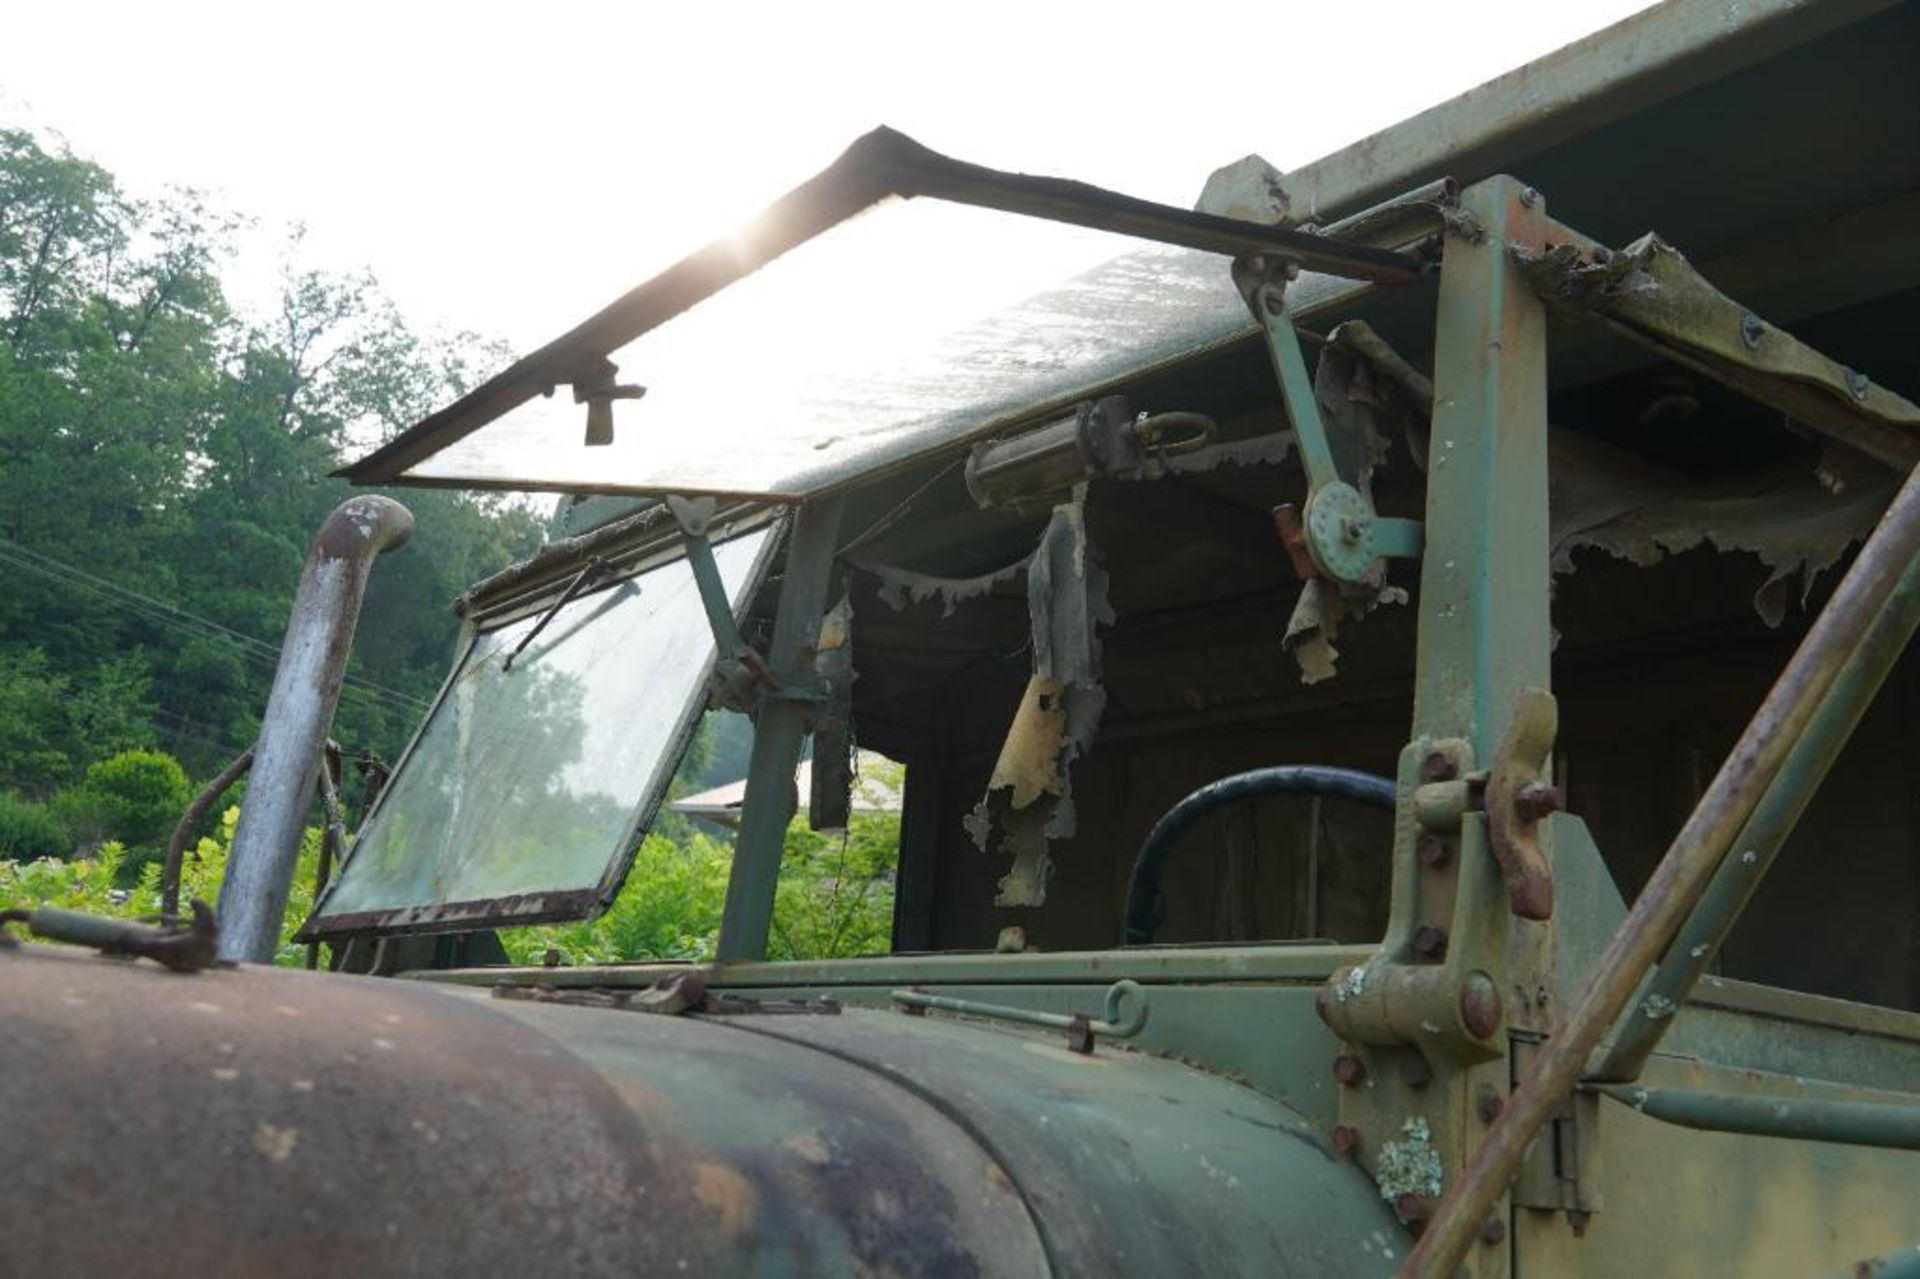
{"type": "Point", "coordinates": [525, 792]}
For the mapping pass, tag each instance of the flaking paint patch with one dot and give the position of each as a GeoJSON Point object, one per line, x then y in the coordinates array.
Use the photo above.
{"type": "Point", "coordinates": [728, 1194]}
{"type": "Point", "coordinates": [275, 1143]}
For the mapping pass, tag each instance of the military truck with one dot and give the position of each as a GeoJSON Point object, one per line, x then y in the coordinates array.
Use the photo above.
{"type": "Point", "coordinates": [1307, 621]}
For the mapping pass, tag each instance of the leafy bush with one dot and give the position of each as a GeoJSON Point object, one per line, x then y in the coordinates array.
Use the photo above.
{"type": "Point", "coordinates": [28, 831]}
{"type": "Point", "coordinates": [834, 899]}
{"type": "Point", "coordinates": [134, 798]}
{"type": "Point", "coordinates": [92, 883]}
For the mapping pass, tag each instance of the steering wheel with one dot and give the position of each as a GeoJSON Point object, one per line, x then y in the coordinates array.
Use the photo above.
{"type": "Point", "coordinates": [1143, 885]}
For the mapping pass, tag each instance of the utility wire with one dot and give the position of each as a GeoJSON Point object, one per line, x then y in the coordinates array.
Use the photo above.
{"type": "Point", "coordinates": [179, 620]}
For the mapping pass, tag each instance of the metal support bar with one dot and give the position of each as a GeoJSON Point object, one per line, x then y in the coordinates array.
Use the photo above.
{"type": "Point", "coordinates": [778, 731]}
{"type": "Point", "coordinates": [172, 868]}
{"type": "Point", "coordinates": [1677, 883]}
{"type": "Point", "coordinates": [1765, 833]}
{"type": "Point", "coordinates": [694, 518]}
{"type": "Point", "coordinates": [1484, 632]}
{"type": "Point", "coordinates": [1649, 292]}
{"type": "Point", "coordinates": [306, 686]}
{"type": "Point", "coordinates": [1849, 1123]}
{"type": "Point", "coordinates": [1344, 536]}
{"type": "Point", "coordinates": [1081, 1029]}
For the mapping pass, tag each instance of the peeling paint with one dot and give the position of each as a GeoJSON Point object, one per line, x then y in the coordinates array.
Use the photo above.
{"type": "Point", "coordinates": [1029, 798]}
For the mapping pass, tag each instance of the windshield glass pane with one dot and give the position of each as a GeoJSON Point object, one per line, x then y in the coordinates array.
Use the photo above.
{"type": "Point", "coordinates": [525, 791]}
{"type": "Point", "coordinates": [906, 328]}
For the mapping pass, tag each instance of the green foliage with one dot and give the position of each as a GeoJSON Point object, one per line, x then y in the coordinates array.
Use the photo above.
{"type": "Point", "coordinates": [167, 462]}
{"type": "Point", "coordinates": [834, 900]}
{"type": "Point", "coordinates": [93, 884]}
{"type": "Point", "coordinates": [28, 831]}
{"type": "Point", "coordinates": [835, 897]}
{"type": "Point", "coordinates": [133, 798]}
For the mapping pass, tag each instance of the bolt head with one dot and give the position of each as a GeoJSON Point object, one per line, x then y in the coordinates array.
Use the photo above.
{"type": "Point", "coordinates": [1433, 850]}
{"type": "Point", "coordinates": [1490, 1104]}
{"type": "Point", "coordinates": [1346, 1139]}
{"type": "Point", "coordinates": [1349, 1070]}
{"type": "Point", "coordinates": [1536, 800]}
{"type": "Point", "coordinates": [1480, 1005]}
{"type": "Point", "coordinates": [1492, 1231]}
{"type": "Point", "coordinates": [1438, 766]}
{"type": "Point", "coordinates": [1529, 196]}
{"type": "Point", "coordinates": [1430, 942]}
{"type": "Point", "coordinates": [1752, 329]}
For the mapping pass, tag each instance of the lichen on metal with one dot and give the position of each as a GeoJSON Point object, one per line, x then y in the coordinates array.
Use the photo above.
{"type": "Point", "coordinates": [1410, 1165]}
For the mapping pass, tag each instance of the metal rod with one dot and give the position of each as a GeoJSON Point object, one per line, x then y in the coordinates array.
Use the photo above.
{"type": "Point", "coordinates": [1114, 1026]}
{"type": "Point", "coordinates": [778, 731]}
{"type": "Point", "coordinates": [190, 820]}
{"type": "Point", "coordinates": [1676, 885]}
{"type": "Point", "coordinates": [306, 686]}
{"type": "Point", "coordinates": [1850, 1123]}
{"type": "Point", "coordinates": [1760, 841]}
{"type": "Point", "coordinates": [333, 835]}
{"type": "Point", "coordinates": [584, 578]}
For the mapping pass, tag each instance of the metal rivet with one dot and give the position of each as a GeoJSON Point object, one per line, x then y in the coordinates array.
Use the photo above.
{"type": "Point", "coordinates": [1858, 384]}
{"type": "Point", "coordinates": [1346, 1139]}
{"type": "Point", "coordinates": [1349, 1070]}
{"type": "Point", "coordinates": [1492, 1231]}
{"type": "Point", "coordinates": [1429, 942]}
{"type": "Point", "coordinates": [1479, 1005]}
{"type": "Point", "coordinates": [1752, 329]}
{"type": "Point", "coordinates": [1489, 1103]}
{"type": "Point", "coordinates": [1433, 850]}
{"type": "Point", "coordinates": [1529, 196]}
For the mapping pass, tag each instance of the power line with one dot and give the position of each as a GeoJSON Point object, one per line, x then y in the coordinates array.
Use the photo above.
{"type": "Point", "coordinates": [177, 619]}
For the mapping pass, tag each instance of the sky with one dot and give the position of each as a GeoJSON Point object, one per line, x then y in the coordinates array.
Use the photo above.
{"type": "Point", "coordinates": [509, 169]}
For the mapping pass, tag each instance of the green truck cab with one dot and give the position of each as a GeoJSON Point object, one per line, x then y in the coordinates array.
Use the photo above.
{"type": "Point", "coordinates": [1401, 676]}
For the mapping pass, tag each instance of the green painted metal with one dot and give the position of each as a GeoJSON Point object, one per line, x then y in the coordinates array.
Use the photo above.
{"type": "Point", "coordinates": [1904, 1264]}
{"type": "Point", "coordinates": [1851, 1123]}
{"type": "Point", "coordinates": [779, 729]}
{"type": "Point", "coordinates": [1765, 833]}
{"type": "Point", "coordinates": [1484, 633]}
{"type": "Point", "coordinates": [1344, 535]}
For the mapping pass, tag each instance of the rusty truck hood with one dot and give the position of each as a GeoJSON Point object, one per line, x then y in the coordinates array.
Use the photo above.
{"type": "Point", "coordinates": [255, 1120]}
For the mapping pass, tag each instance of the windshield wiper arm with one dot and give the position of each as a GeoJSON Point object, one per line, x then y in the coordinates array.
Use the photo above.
{"type": "Point", "coordinates": [595, 569]}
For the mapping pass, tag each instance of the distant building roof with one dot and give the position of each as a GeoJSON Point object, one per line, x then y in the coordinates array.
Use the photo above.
{"type": "Point", "coordinates": [721, 805]}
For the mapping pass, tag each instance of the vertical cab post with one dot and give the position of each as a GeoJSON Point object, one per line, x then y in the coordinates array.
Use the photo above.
{"type": "Point", "coordinates": [779, 728]}
{"type": "Point", "coordinates": [1429, 1013]}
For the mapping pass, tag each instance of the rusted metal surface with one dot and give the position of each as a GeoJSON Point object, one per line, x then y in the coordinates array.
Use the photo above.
{"type": "Point", "coordinates": [189, 823]}
{"type": "Point", "coordinates": [1516, 800]}
{"type": "Point", "coordinates": [306, 685]}
{"type": "Point", "coordinates": [1679, 880]}
{"type": "Point", "coordinates": [1133, 1165]}
{"type": "Point", "coordinates": [184, 946]}
{"type": "Point", "coordinates": [351, 1125]}
{"type": "Point", "coordinates": [1651, 293]}
{"type": "Point", "coordinates": [354, 1126]}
